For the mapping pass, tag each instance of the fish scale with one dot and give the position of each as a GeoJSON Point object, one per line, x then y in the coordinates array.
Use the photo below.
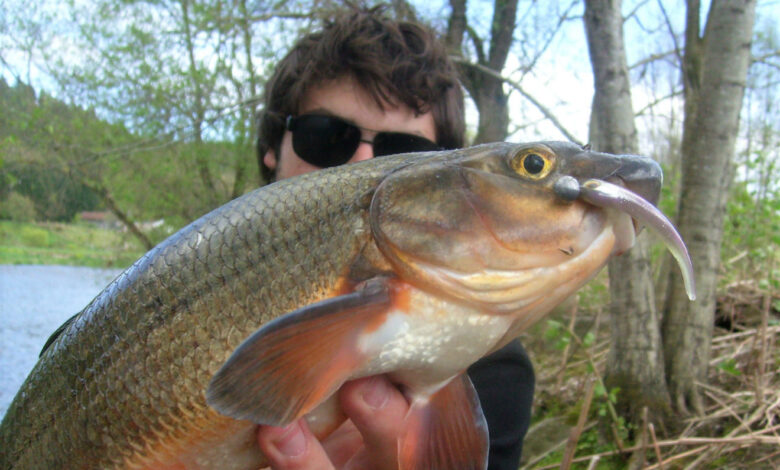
{"type": "Point", "coordinates": [125, 384]}
{"type": "Point", "coordinates": [179, 273]}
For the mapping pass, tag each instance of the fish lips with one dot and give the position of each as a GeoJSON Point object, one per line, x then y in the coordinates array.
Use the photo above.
{"type": "Point", "coordinates": [633, 189]}
{"type": "Point", "coordinates": [640, 175]}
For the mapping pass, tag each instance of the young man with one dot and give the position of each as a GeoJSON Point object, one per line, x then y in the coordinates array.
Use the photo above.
{"type": "Point", "coordinates": [363, 87]}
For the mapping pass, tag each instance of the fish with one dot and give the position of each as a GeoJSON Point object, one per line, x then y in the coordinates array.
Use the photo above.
{"type": "Point", "coordinates": [414, 266]}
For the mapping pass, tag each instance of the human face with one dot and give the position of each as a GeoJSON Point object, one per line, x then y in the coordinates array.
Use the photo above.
{"type": "Point", "coordinates": [344, 98]}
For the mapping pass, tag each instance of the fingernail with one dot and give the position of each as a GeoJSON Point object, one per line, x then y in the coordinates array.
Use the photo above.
{"type": "Point", "coordinates": [292, 442]}
{"type": "Point", "coordinates": [376, 393]}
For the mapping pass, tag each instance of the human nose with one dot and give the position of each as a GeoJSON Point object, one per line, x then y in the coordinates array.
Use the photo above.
{"type": "Point", "coordinates": [365, 151]}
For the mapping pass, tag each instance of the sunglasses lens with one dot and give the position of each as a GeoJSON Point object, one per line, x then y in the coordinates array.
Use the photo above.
{"type": "Point", "coordinates": [391, 143]}
{"type": "Point", "coordinates": [324, 141]}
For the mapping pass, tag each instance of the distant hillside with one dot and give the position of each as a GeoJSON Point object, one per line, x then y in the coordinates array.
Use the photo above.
{"type": "Point", "coordinates": [30, 178]}
{"type": "Point", "coordinates": [57, 160]}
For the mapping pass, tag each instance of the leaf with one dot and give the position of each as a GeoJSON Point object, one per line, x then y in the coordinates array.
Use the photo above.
{"type": "Point", "coordinates": [729, 366]}
{"type": "Point", "coordinates": [553, 330]}
{"type": "Point", "coordinates": [613, 394]}
{"type": "Point", "coordinates": [589, 339]}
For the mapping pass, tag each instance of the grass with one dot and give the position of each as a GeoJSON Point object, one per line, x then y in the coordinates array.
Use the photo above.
{"type": "Point", "coordinates": [78, 244]}
{"type": "Point", "coordinates": [740, 426]}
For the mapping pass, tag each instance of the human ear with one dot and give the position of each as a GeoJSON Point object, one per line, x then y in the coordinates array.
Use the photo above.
{"type": "Point", "coordinates": [270, 159]}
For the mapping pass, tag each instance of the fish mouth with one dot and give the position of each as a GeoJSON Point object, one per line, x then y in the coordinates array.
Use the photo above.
{"type": "Point", "coordinates": [633, 193]}
{"type": "Point", "coordinates": [526, 291]}
{"type": "Point", "coordinates": [479, 230]}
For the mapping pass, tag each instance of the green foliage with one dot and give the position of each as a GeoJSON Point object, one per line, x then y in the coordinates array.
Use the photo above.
{"type": "Point", "coordinates": [595, 294]}
{"type": "Point", "coordinates": [592, 441]}
{"type": "Point", "coordinates": [55, 155]}
{"type": "Point", "coordinates": [31, 235]}
{"type": "Point", "coordinates": [54, 194]}
{"type": "Point", "coordinates": [668, 201]}
{"type": "Point", "coordinates": [753, 224]}
{"type": "Point", "coordinates": [600, 392]}
{"type": "Point", "coordinates": [557, 332]}
{"type": "Point", "coordinates": [751, 235]}
{"type": "Point", "coordinates": [32, 131]}
{"type": "Point", "coordinates": [729, 366]}
{"type": "Point", "coordinates": [73, 244]}
{"type": "Point", "coordinates": [195, 84]}
{"type": "Point", "coordinates": [17, 207]}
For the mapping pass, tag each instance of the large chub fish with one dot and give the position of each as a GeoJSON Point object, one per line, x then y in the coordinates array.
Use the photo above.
{"type": "Point", "coordinates": [413, 266]}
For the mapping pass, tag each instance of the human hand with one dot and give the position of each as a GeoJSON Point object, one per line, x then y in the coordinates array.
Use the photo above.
{"type": "Point", "coordinates": [375, 409]}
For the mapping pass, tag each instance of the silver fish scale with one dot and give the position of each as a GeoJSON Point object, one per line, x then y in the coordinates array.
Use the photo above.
{"type": "Point", "coordinates": [135, 364]}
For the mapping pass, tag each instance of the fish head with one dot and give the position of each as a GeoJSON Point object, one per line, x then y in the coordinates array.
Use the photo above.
{"type": "Point", "coordinates": [513, 228]}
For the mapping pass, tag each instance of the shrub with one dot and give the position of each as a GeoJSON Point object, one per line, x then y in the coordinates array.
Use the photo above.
{"type": "Point", "coordinates": [18, 208]}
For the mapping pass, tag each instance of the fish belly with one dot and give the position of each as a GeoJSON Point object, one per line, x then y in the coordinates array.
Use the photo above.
{"type": "Point", "coordinates": [425, 343]}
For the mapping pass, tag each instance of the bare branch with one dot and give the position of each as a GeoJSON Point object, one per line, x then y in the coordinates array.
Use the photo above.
{"type": "Point", "coordinates": [11, 69]}
{"type": "Point", "coordinates": [478, 45]}
{"type": "Point", "coordinates": [657, 101]}
{"type": "Point", "coordinates": [544, 110]}
{"type": "Point", "coordinates": [107, 197]}
{"type": "Point", "coordinates": [652, 58]}
{"type": "Point", "coordinates": [285, 15]}
{"type": "Point", "coordinates": [764, 59]}
{"type": "Point", "coordinates": [677, 49]}
{"type": "Point", "coordinates": [561, 19]}
{"type": "Point", "coordinates": [633, 12]}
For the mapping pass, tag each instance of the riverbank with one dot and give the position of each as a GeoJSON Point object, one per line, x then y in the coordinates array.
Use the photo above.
{"type": "Point", "coordinates": [76, 244]}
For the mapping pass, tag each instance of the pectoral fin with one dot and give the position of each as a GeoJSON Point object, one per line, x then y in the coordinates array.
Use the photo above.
{"type": "Point", "coordinates": [293, 363]}
{"type": "Point", "coordinates": [445, 431]}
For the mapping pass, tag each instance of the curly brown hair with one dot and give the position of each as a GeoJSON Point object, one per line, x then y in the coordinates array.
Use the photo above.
{"type": "Point", "coordinates": [395, 62]}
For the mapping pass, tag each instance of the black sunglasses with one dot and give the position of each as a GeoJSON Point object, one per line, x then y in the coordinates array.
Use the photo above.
{"type": "Point", "coordinates": [326, 141]}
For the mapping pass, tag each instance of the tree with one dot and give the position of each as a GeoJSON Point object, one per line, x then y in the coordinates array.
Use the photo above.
{"type": "Point", "coordinates": [525, 36]}
{"type": "Point", "coordinates": [179, 70]}
{"type": "Point", "coordinates": [635, 361]}
{"type": "Point", "coordinates": [487, 90]}
{"type": "Point", "coordinates": [715, 67]}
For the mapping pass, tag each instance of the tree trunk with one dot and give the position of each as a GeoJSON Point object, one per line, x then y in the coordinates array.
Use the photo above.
{"type": "Point", "coordinates": [247, 118]}
{"type": "Point", "coordinates": [198, 119]}
{"type": "Point", "coordinates": [487, 90]}
{"type": "Point", "coordinates": [112, 206]}
{"type": "Point", "coordinates": [715, 70]}
{"type": "Point", "coordinates": [635, 361]}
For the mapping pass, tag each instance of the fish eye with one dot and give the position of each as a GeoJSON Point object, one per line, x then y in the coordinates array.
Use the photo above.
{"type": "Point", "coordinates": [533, 163]}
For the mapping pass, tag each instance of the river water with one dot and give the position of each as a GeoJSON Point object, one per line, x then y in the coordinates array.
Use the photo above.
{"type": "Point", "coordinates": [34, 301]}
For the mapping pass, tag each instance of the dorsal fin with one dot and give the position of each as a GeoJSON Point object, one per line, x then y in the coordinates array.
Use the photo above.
{"type": "Point", "coordinates": [57, 334]}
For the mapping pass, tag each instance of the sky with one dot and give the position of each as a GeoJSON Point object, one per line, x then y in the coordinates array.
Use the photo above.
{"type": "Point", "coordinates": [561, 78]}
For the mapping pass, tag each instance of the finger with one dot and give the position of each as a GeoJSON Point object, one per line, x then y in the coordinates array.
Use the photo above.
{"type": "Point", "coordinates": [343, 444]}
{"type": "Point", "coordinates": [292, 447]}
{"type": "Point", "coordinates": [378, 409]}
